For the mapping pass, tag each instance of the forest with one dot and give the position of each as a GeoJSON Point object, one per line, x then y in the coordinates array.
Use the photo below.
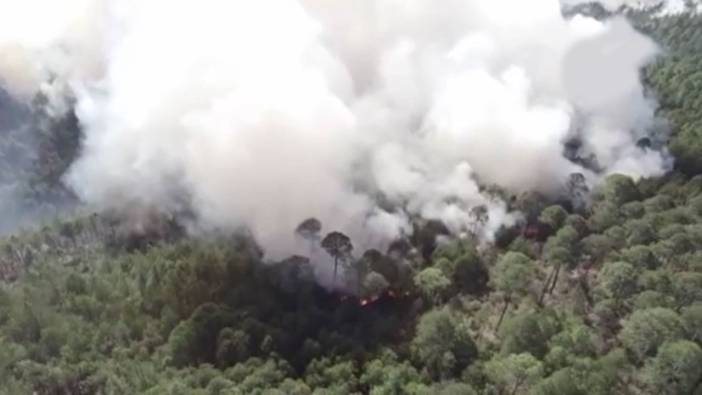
{"type": "Point", "coordinates": [603, 298]}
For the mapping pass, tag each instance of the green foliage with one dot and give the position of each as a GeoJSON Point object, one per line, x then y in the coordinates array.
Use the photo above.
{"type": "Point", "coordinates": [232, 346]}
{"type": "Point", "coordinates": [374, 284]}
{"type": "Point", "coordinates": [335, 377]}
{"type": "Point", "coordinates": [514, 373]}
{"type": "Point", "coordinates": [387, 375]}
{"type": "Point", "coordinates": [618, 279]}
{"type": "Point", "coordinates": [450, 388]}
{"type": "Point", "coordinates": [470, 274]}
{"type": "Point", "coordinates": [587, 377]}
{"type": "Point", "coordinates": [443, 343]}
{"type": "Point", "coordinates": [646, 330]}
{"type": "Point", "coordinates": [640, 257]}
{"type": "Point", "coordinates": [692, 319]}
{"type": "Point", "coordinates": [619, 190]}
{"type": "Point", "coordinates": [175, 308]}
{"type": "Point", "coordinates": [562, 248]}
{"type": "Point", "coordinates": [513, 274]}
{"type": "Point", "coordinates": [675, 78]}
{"type": "Point", "coordinates": [577, 339]}
{"type": "Point", "coordinates": [432, 283]}
{"type": "Point", "coordinates": [687, 288]}
{"type": "Point", "coordinates": [676, 369]}
{"type": "Point", "coordinates": [608, 303]}
{"type": "Point", "coordinates": [529, 332]}
{"type": "Point", "coordinates": [553, 216]}
{"type": "Point", "coordinates": [208, 316]}
{"type": "Point", "coordinates": [605, 214]}
{"type": "Point", "coordinates": [339, 246]}
{"type": "Point", "coordinates": [597, 247]}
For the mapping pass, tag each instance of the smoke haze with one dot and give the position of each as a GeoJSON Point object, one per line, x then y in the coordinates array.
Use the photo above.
{"type": "Point", "coordinates": [260, 114]}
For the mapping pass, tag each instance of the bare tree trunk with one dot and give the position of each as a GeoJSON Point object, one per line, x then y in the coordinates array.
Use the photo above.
{"type": "Point", "coordinates": [545, 288]}
{"type": "Point", "coordinates": [555, 279]}
{"type": "Point", "coordinates": [502, 315]}
{"type": "Point", "coordinates": [516, 387]}
{"type": "Point", "coordinates": [18, 255]}
{"type": "Point", "coordinates": [585, 287]}
{"type": "Point", "coordinates": [336, 264]}
{"type": "Point", "coordinates": [359, 281]}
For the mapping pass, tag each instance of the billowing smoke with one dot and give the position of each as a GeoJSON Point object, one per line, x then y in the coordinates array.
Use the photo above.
{"type": "Point", "coordinates": [363, 113]}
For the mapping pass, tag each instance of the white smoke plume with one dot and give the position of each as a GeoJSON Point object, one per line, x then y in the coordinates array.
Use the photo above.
{"type": "Point", "coordinates": [260, 114]}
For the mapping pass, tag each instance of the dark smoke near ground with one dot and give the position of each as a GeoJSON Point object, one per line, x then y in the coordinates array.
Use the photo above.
{"type": "Point", "coordinates": [37, 148]}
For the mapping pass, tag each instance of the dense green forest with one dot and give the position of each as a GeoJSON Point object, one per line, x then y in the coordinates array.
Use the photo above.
{"type": "Point", "coordinates": [603, 299]}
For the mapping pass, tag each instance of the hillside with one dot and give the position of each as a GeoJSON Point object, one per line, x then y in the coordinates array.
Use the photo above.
{"type": "Point", "coordinates": [602, 298]}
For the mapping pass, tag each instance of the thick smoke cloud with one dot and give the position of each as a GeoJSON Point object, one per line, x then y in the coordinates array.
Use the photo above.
{"type": "Point", "coordinates": [363, 113]}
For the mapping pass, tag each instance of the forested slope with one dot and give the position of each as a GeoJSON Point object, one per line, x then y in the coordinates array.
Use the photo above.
{"type": "Point", "coordinates": [604, 299]}
{"type": "Point", "coordinates": [677, 79]}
